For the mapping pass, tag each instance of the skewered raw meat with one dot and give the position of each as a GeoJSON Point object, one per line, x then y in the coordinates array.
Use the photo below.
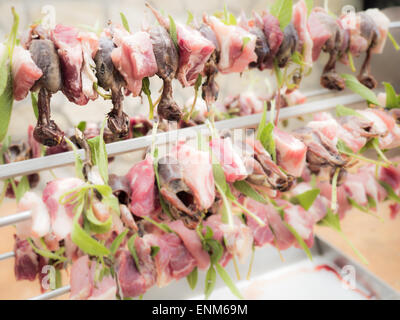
{"type": "Point", "coordinates": [24, 72]}
{"type": "Point", "coordinates": [26, 265]}
{"type": "Point", "coordinates": [90, 45]}
{"type": "Point", "coordinates": [229, 158]}
{"type": "Point", "coordinates": [274, 34]}
{"type": "Point", "coordinates": [69, 50]}
{"type": "Point", "coordinates": [44, 54]}
{"type": "Point", "coordinates": [262, 48]}
{"type": "Point", "coordinates": [299, 20]}
{"type": "Point", "coordinates": [210, 88]}
{"type": "Point", "coordinates": [369, 31]}
{"type": "Point", "coordinates": [288, 46]}
{"type": "Point", "coordinates": [235, 55]}
{"type": "Point", "coordinates": [194, 50]}
{"type": "Point", "coordinates": [133, 57]}
{"type": "Point", "coordinates": [167, 59]}
{"type": "Point", "coordinates": [276, 178]}
{"type": "Point", "coordinates": [328, 35]}
{"type": "Point", "coordinates": [141, 179]}
{"type": "Point", "coordinates": [290, 153]}
{"type": "Point", "coordinates": [110, 79]}
{"type": "Point", "coordinates": [188, 192]}
{"type": "Point", "coordinates": [60, 215]}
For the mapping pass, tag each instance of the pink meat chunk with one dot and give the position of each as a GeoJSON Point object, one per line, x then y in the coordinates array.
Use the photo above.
{"type": "Point", "coordinates": [71, 58]}
{"type": "Point", "coordinates": [194, 52]}
{"type": "Point", "coordinates": [39, 225]}
{"type": "Point", "coordinates": [249, 103]}
{"type": "Point", "coordinates": [300, 14]}
{"type": "Point", "coordinates": [106, 289]}
{"type": "Point", "coordinates": [197, 174]}
{"type": "Point", "coordinates": [142, 183]}
{"type": "Point", "coordinates": [283, 238]}
{"type": "Point", "coordinates": [238, 239]}
{"type": "Point", "coordinates": [134, 58]}
{"type": "Point", "coordinates": [24, 72]}
{"type": "Point", "coordinates": [26, 263]}
{"type": "Point", "coordinates": [291, 153]}
{"type": "Point", "coordinates": [383, 23]}
{"type": "Point", "coordinates": [181, 261]}
{"type": "Point", "coordinates": [273, 32]}
{"type": "Point", "coordinates": [301, 221]}
{"type": "Point", "coordinates": [229, 158]}
{"type": "Point", "coordinates": [61, 216]}
{"type": "Point", "coordinates": [192, 243]}
{"type": "Point", "coordinates": [131, 282]}
{"type": "Point", "coordinates": [90, 45]}
{"type": "Point", "coordinates": [391, 176]}
{"type": "Point", "coordinates": [146, 264]}
{"type": "Point", "coordinates": [392, 140]}
{"type": "Point", "coordinates": [173, 260]}
{"type": "Point", "coordinates": [161, 259]}
{"type": "Point", "coordinates": [295, 98]}
{"type": "Point", "coordinates": [319, 31]}
{"type": "Point", "coordinates": [234, 56]}
{"type": "Point", "coordinates": [320, 206]}
{"type": "Point", "coordinates": [81, 279]}
{"type": "Point", "coordinates": [350, 137]}
{"type": "Point", "coordinates": [261, 235]}
{"type": "Point", "coordinates": [84, 285]}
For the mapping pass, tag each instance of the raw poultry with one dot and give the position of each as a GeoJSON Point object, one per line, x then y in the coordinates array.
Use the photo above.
{"type": "Point", "coordinates": [75, 62]}
{"type": "Point", "coordinates": [169, 206]}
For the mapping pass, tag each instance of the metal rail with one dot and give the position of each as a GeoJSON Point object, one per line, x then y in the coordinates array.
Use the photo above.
{"type": "Point", "coordinates": [67, 158]}
{"type": "Point", "coordinates": [52, 294]}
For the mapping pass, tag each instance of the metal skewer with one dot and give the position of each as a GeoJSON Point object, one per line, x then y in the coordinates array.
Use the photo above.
{"type": "Point", "coordinates": [67, 158]}
{"type": "Point", "coordinates": [52, 294]}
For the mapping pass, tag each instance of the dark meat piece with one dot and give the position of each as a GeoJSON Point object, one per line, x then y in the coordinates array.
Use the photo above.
{"type": "Point", "coordinates": [167, 59]}
{"type": "Point", "coordinates": [110, 79]}
{"type": "Point", "coordinates": [120, 188]}
{"type": "Point", "coordinates": [210, 88]}
{"type": "Point", "coordinates": [288, 46]}
{"type": "Point", "coordinates": [262, 49]}
{"type": "Point", "coordinates": [363, 127]}
{"type": "Point", "coordinates": [167, 108]}
{"type": "Point", "coordinates": [276, 178]}
{"type": "Point", "coordinates": [26, 264]}
{"type": "Point", "coordinates": [130, 281]}
{"type": "Point", "coordinates": [46, 131]}
{"type": "Point", "coordinates": [321, 152]}
{"type": "Point", "coordinates": [370, 32]}
{"type": "Point", "coordinates": [44, 54]}
{"type": "Point", "coordinates": [176, 192]}
{"type": "Point", "coordinates": [328, 35]}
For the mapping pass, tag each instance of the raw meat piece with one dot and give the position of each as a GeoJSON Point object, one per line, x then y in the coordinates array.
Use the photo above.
{"type": "Point", "coordinates": [61, 216]}
{"type": "Point", "coordinates": [71, 57]}
{"type": "Point", "coordinates": [142, 184]}
{"type": "Point", "coordinates": [234, 56]}
{"type": "Point", "coordinates": [290, 152]}
{"type": "Point", "coordinates": [24, 72]}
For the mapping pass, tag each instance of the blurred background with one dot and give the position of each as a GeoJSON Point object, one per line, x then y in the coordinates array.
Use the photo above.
{"type": "Point", "coordinates": [380, 243]}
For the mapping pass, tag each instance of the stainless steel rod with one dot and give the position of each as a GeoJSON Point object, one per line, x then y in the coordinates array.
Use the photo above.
{"type": "Point", "coordinates": [67, 158]}
{"type": "Point", "coordinates": [15, 218]}
{"type": "Point", "coordinates": [52, 294]}
{"type": "Point", "coordinates": [394, 24]}
{"type": "Point", "coordinates": [7, 255]}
